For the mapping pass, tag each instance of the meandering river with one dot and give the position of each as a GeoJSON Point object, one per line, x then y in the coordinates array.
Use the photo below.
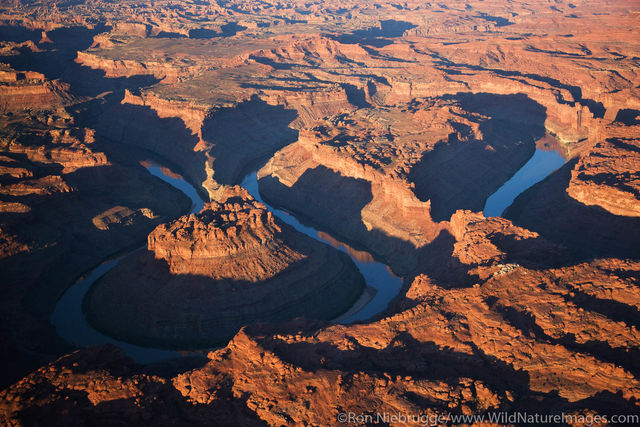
{"type": "Point", "coordinates": [382, 284]}
{"type": "Point", "coordinates": [68, 317]}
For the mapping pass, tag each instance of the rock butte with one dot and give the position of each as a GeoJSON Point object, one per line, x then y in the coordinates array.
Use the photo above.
{"type": "Point", "coordinates": [388, 125]}
{"type": "Point", "coordinates": [204, 276]}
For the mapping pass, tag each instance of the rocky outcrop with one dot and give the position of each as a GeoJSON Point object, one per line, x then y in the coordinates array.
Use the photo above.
{"type": "Point", "coordinates": [310, 106]}
{"type": "Point", "coordinates": [522, 339]}
{"type": "Point", "coordinates": [380, 213]}
{"type": "Point", "coordinates": [193, 115]}
{"type": "Point", "coordinates": [391, 180]}
{"type": "Point", "coordinates": [56, 185]}
{"type": "Point", "coordinates": [204, 276]}
{"type": "Point", "coordinates": [34, 95]}
{"type": "Point", "coordinates": [236, 231]}
{"type": "Point", "coordinates": [467, 325]}
{"type": "Point", "coordinates": [45, 142]}
{"type": "Point", "coordinates": [608, 176]}
{"type": "Point", "coordinates": [127, 68]}
{"type": "Point", "coordinates": [9, 75]}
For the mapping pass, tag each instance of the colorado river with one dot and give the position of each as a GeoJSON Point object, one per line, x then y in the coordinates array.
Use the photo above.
{"type": "Point", "coordinates": [71, 325]}
{"type": "Point", "coordinates": [68, 317]}
{"type": "Point", "coordinates": [382, 285]}
{"type": "Point", "coordinates": [539, 166]}
{"type": "Point", "coordinates": [377, 275]}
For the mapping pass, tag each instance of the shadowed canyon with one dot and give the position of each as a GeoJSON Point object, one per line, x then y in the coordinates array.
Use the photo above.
{"type": "Point", "coordinates": [228, 212]}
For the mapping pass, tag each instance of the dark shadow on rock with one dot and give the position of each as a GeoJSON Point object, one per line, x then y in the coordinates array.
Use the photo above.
{"type": "Point", "coordinates": [17, 34]}
{"type": "Point", "coordinates": [437, 261]}
{"type": "Point", "coordinates": [39, 169]}
{"type": "Point", "coordinates": [194, 311]}
{"type": "Point", "coordinates": [587, 231]}
{"type": "Point", "coordinates": [56, 60]}
{"type": "Point", "coordinates": [463, 174]}
{"type": "Point", "coordinates": [376, 36]}
{"type": "Point", "coordinates": [170, 35]}
{"type": "Point", "coordinates": [617, 181]}
{"type": "Point", "coordinates": [596, 108]}
{"type": "Point", "coordinates": [140, 126]}
{"type": "Point", "coordinates": [387, 28]}
{"type": "Point", "coordinates": [81, 244]}
{"type": "Point", "coordinates": [628, 116]}
{"type": "Point", "coordinates": [227, 30]}
{"type": "Point", "coordinates": [333, 203]}
{"type": "Point", "coordinates": [65, 244]}
{"type": "Point", "coordinates": [246, 134]}
{"type": "Point", "coordinates": [614, 310]}
{"type": "Point", "coordinates": [627, 358]}
{"type": "Point", "coordinates": [498, 20]}
{"type": "Point", "coordinates": [422, 360]}
{"type": "Point", "coordinates": [173, 367]}
{"type": "Point", "coordinates": [405, 355]}
{"type": "Point", "coordinates": [276, 65]}
{"type": "Point", "coordinates": [356, 96]}
{"type": "Point", "coordinates": [322, 193]}
{"type": "Point", "coordinates": [532, 253]}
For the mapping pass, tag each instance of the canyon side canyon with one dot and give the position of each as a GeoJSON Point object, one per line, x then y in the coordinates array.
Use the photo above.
{"type": "Point", "coordinates": [331, 149]}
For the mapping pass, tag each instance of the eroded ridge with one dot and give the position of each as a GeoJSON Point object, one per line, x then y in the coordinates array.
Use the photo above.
{"type": "Point", "coordinates": [204, 276]}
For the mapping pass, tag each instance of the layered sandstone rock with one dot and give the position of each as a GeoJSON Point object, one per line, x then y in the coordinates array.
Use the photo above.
{"type": "Point", "coordinates": [211, 273]}
{"type": "Point", "coordinates": [391, 179]}
{"type": "Point", "coordinates": [234, 238]}
{"type": "Point", "coordinates": [609, 177]}
{"type": "Point", "coordinates": [404, 117]}
{"type": "Point", "coordinates": [27, 91]}
{"type": "Point", "coordinates": [506, 353]}
{"type": "Point", "coordinates": [526, 340]}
